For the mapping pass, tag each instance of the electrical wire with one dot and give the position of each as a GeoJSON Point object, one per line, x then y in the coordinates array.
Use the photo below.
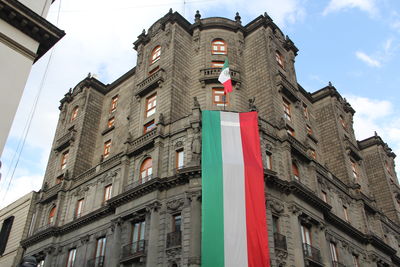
{"type": "Point", "coordinates": [32, 114]}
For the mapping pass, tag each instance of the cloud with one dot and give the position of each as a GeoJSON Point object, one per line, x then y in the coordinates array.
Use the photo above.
{"type": "Point", "coordinates": [368, 6]}
{"type": "Point", "coordinates": [368, 59]}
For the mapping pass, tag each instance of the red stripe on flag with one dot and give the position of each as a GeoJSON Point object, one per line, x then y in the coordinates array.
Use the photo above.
{"type": "Point", "coordinates": [256, 220]}
{"type": "Point", "coordinates": [227, 86]}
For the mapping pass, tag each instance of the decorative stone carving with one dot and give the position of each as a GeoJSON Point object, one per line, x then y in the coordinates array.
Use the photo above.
{"type": "Point", "coordinates": [193, 195]}
{"type": "Point", "coordinates": [84, 239]}
{"type": "Point", "coordinates": [196, 147]}
{"type": "Point", "coordinates": [173, 254]}
{"type": "Point", "coordinates": [252, 106]}
{"type": "Point", "coordinates": [175, 204]}
{"type": "Point", "coordinates": [277, 206]}
{"type": "Point", "coordinates": [294, 209]}
{"type": "Point", "coordinates": [154, 206]}
{"type": "Point", "coordinates": [195, 102]}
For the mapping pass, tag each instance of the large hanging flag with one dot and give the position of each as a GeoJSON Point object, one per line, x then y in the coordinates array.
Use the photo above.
{"type": "Point", "coordinates": [234, 227]}
{"type": "Point", "coordinates": [225, 77]}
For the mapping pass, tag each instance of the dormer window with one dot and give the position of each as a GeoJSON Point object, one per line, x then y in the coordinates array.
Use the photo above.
{"type": "Point", "coordinates": [155, 54]}
{"type": "Point", "coordinates": [218, 47]}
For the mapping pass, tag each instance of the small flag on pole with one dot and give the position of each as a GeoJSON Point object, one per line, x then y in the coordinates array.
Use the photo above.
{"type": "Point", "coordinates": [225, 77]}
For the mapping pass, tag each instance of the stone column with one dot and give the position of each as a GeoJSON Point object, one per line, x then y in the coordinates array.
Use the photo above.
{"type": "Point", "coordinates": [153, 230]}
{"type": "Point", "coordinates": [195, 220]}
{"type": "Point", "coordinates": [113, 257]}
{"type": "Point", "coordinates": [49, 252]}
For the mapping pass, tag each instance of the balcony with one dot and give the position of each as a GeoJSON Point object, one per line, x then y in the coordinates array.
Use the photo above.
{"type": "Point", "coordinates": [312, 254]}
{"type": "Point", "coordinates": [151, 82]}
{"type": "Point", "coordinates": [138, 182]}
{"type": "Point", "coordinates": [65, 140]}
{"type": "Point", "coordinates": [280, 241]}
{"type": "Point", "coordinates": [96, 262]}
{"type": "Point", "coordinates": [133, 251]}
{"type": "Point", "coordinates": [337, 264]}
{"type": "Point", "coordinates": [140, 143]}
{"type": "Point", "coordinates": [174, 239]}
{"type": "Point", "coordinates": [210, 75]}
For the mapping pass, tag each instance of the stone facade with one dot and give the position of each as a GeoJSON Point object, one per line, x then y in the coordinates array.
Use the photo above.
{"type": "Point", "coordinates": [331, 200]}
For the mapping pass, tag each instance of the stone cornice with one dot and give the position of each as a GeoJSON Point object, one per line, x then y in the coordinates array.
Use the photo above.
{"type": "Point", "coordinates": [30, 23]}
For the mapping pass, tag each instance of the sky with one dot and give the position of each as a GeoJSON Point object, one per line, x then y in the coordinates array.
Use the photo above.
{"type": "Point", "coordinates": [355, 44]}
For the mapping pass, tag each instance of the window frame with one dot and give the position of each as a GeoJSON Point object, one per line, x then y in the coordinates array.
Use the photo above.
{"type": "Point", "coordinates": [114, 103]}
{"type": "Point", "coordinates": [324, 196]}
{"type": "Point", "coordinates": [287, 110]}
{"type": "Point", "coordinates": [110, 122]}
{"type": "Point", "coordinates": [217, 64]}
{"type": "Point", "coordinates": [216, 46]}
{"type": "Point", "coordinates": [334, 252]}
{"type": "Point", "coordinates": [177, 218]}
{"type": "Point", "coordinates": [102, 242]}
{"type": "Point", "coordinates": [179, 158]}
{"type": "Point", "coordinates": [107, 193]}
{"type": "Point", "coordinates": [52, 215]}
{"type": "Point", "coordinates": [346, 213]}
{"type": "Point", "coordinates": [290, 131]}
{"type": "Point", "coordinates": [354, 169]}
{"type": "Point", "coordinates": [64, 159]}
{"type": "Point", "coordinates": [309, 129]}
{"type": "Point", "coordinates": [74, 113]}
{"type": "Point", "coordinates": [305, 112]}
{"type": "Point", "coordinates": [356, 260]}
{"type": "Point", "coordinates": [279, 59]}
{"type": "Point", "coordinates": [149, 126]}
{"type": "Point", "coordinates": [295, 171]}
{"type": "Point", "coordinates": [79, 207]}
{"type": "Point", "coordinates": [155, 54]}
{"type": "Point", "coordinates": [71, 257]}
{"type": "Point", "coordinates": [268, 160]}
{"type": "Point", "coordinates": [219, 103]}
{"type": "Point", "coordinates": [152, 101]}
{"type": "Point", "coordinates": [147, 168]}
{"type": "Point", "coordinates": [107, 148]}
{"type": "Point", "coordinates": [306, 236]}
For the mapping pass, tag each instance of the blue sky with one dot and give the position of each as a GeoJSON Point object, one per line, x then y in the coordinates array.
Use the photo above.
{"type": "Point", "coordinates": [355, 44]}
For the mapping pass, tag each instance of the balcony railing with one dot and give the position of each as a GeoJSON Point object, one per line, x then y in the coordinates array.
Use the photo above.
{"type": "Point", "coordinates": [96, 262]}
{"type": "Point", "coordinates": [280, 241]}
{"type": "Point", "coordinates": [174, 239]}
{"type": "Point", "coordinates": [311, 253]}
{"type": "Point", "coordinates": [134, 249]}
{"type": "Point", "coordinates": [337, 264]}
{"type": "Point", "coordinates": [138, 182]}
{"type": "Point", "coordinates": [212, 74]}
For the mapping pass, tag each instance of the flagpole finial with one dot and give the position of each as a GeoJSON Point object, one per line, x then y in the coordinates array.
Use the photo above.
{"type": "Point", "coordinates": [237, 18]}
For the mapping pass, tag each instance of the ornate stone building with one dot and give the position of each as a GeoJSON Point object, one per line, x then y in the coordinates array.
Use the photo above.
{"type": "Point", "coordinates": [123, 181]}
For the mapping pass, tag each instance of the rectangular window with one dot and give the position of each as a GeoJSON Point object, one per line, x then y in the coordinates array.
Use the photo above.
{"type": "Point", "coordinates": [269, 161]}
{"type": "Point", "coordinates": [287, 110]}
{"type": "Point", "coordinates": [138, 236]}
{"type": "Point", "coordinates": [324, 196]}
{"type": "Point", "coordinates": [114, 102]}
{"type": "Point", "coordinates": [64, 160]}
{"type": "Point", "coordinates": [217, 64]}
{"type": "Point", "coordinates": [309, 130]}
{"type": "Point", "coordinates": [179, 159]}
{"type": "Point", "coordinates": [40, 263]}
{"type": "Point", "coordinates": [219, 99]}
{"type": "Point", "coordinates": [107, 192]}
{"type": "Point", "coordinates": [334, 253]}
{"type": "Point", "coordinates": [275, 224]}
{"type": "Point", "coordinates": [79, 208]}
{"type": "Point", "coordinates": [149, 126]}
{"type": "Point", "coordinates": [290, 131]}
{"type": "Point", "coordinates": [107, 149]}
{"type": "Point", "coordinates": [154, 70]}
{"type": "Point", "coordinates": [59, 179]}
{"type": "Point", "coordinates": [176, 223]}
{"type": "Point", "coordinates": [151, 103]}
{"type": "Point", "coordinates": [346, 214]}
{"type": "Point", "coordinates": [5, 233]}
{"type": "Point", "coordinates": [356, 262]}
{"type": "Point", "coordinates": [110, 122]}
{"type": "Point", "coordinates": [354, 169]}
{"type": "Point", "coordinates": [305, 111]}
{"type": "Point", "coordinates": [71, 257]}
{"type": "Point", "coordinates": [101, 247]}
{"type": "Point", "coordinates": [313, 154]}
{"type": "Point", "coordinates": [306, 235]}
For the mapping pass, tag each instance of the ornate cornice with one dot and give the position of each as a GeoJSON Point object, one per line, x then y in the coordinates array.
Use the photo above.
{"type": "Point", "coordinates": [30, 23]}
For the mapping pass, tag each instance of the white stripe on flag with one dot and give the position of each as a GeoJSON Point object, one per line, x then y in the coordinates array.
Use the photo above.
{"type": "Point", "coordinates": [235, 234]}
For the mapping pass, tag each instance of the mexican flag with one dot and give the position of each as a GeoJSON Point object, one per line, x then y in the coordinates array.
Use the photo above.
{"type": "Point", "coordinates": [234, 227]}
{"type": "Point", "coordinates": [225, 77]}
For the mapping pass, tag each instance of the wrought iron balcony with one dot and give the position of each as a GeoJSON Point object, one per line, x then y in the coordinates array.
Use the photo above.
{"type": "Point", "coordinates": [134, 249]}
{"type": "Point", "coordinates": [312, 253]}
{"type": "Point", "coordinates": [280, 241]}
{"type": "Point", "coordinates": [337, 264]}
{"type": "Point", "coordinates": [174, 239]}
{"type": "Point", "coordinates": [96, 262]}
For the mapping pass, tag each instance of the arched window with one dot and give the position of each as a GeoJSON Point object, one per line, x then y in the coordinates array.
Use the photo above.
{"type": "Point", "coordinates": [218, 47]}
{"type": "Point", "coordinates": [155, 54]}
{"type": "Point", "coordinates": [74, 113]}
{"type": "Point", "coordinates": [146, 169]}
{"type": "Point", "coordinates": [279, 59]}
{"type": "Point", "coordinates": [52, 215]}
{"type": "Point", "coordinates": [295, 170]}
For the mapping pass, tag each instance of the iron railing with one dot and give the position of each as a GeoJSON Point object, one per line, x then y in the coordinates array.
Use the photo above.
{"type": "Point", "coordinates": [311, 253]}
{"type": "Point", "coordinates": [133, 248]}
{"type": "Point", "coordinates": [96, 262]}
{"type": "Point", "coordinates": [174, 239]}
{"type": "Point", "coordinates": [138, 182]}
{"type": "Point", "coordinates": [280, 241]}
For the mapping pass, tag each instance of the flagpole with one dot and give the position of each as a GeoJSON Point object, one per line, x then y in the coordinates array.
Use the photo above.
{"type": "Point", "coordinates": [224, 99]}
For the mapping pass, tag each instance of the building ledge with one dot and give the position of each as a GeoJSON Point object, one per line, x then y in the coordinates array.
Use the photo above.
{"type": "Point", "coordinates": [210, 75]}
{"type": "Point", "coordinates": [153, 81]}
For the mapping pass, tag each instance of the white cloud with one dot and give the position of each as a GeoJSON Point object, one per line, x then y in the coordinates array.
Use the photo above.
{"type": "Point", "coordinates": [20, 187]}
{"type": "Point", "coordinates": [368, 59]}
{"type": "Point", "coordinates": [368, 6]}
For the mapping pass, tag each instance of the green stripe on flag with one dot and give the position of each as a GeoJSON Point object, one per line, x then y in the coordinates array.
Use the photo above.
{"type": "Point", "coordinates": [212, 244]}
